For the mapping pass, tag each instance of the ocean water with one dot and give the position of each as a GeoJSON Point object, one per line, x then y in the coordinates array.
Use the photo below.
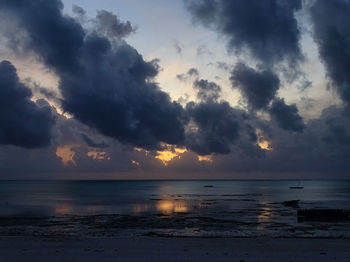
{"type": "Point", "coordinates": [191, 208]}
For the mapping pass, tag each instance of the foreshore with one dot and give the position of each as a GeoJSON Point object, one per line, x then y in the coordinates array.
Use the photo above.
{"type": "Point", "coordinates": [105, 249]}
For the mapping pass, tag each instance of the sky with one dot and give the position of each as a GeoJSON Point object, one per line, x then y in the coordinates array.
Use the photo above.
{"type": "Point", "coordinates": [185, 89]}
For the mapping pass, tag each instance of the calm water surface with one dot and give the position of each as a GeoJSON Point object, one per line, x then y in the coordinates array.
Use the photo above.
{"type": "Point", "coordinates": [254, 204]}
{"type": "Point", "coordinates": [137, 197]}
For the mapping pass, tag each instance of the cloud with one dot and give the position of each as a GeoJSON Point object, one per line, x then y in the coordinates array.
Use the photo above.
{"type": "Point", "coordinates": [207, 91]}
{"type": "Point", "coordinates": [338, 134]}
{"type": "Point", "coordinates": [221, 65]}
{"type": "Point", "coordinates": [78, 10]}
{"type": "Point", "coordinates": [257, 87]}
{"type": "Point", "coordinates": [177, 46]}
{"type": "Point", "coordinates": [68, 143]}
{"type": "Point", "coordinates": [110, 25]}
{"type": "Point", "coordinates": [317, 152]}
{"type": "Point", "coordinates": [217, 127]}
{"type": "Point", "coordinates": [109, 90]}
{"type": "Point", "coordinates": [105, 84]}
{"type": "Point", "coordinates": [191, 73]}
{"type": "Point", "coordinates": [320, 148]}
{"type": "Point", "coordinates": [90, 142]}
{"type": "Point", "coordinates": [203, 50]}
{"type": "Point", "coordinates": [24, 123]}
{"type": "Point", "coordinates": [50, 95]}
{"type": "Point", "coordinates": [286, 115]}
{"type": "Point", "coordinates": [290, 155]}
{"type": "Point", "coordinates": [113, 94]}
{"type": "Point", "coordinates": [268, 29]}
{"type": "Point", "coordinates": [55, 38]}
{"type": "Point", "coordinates": [331, 32]}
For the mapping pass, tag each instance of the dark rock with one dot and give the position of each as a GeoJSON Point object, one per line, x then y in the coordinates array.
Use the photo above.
{"type": "Point", "coordinates": [323, 215]}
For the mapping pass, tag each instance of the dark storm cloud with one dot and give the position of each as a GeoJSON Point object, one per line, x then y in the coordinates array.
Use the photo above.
{"type": "Point", "coordinates": [192, 72]}
{"type": "Point", "coordinates": [105, 85]}
{"type": "Point", "coordinates": [204, 10]}
{"type": "Point", "coordinates": [110, 25]}
{"type": "Point", "coordinates": [206, 90]}
{"type": "Point", "coordinates": [338, 134]}
{"type": "Point", "coordinates": [218, 127]}
{"type": "Point", "coordinates": [336, 127]}
{"type": "Point", "coordinates": [286, 115]}
{"type": "Point", "coordinates": [317, 152]}
{"type": "Point", "coordinates": [331, 21]}
{"type": "Point", "coordinates": [57, 39]}
{"type": "Point", "coordinates": [23, 122]}
{"type": "Point", "coordinates": [267, 29]}
{"type": "Point", "coordinates": [257, 87]}
{"type": "Point", "coordinates": [19, 163]}
{"type": "Point", "coordinates": [90, 142]}
{"type": "Point", "coordinates": [108, 86]}
{"type": "Point", "coordinates": [322, 147]}
{"type": "Point", "coordinates": [113, 95]}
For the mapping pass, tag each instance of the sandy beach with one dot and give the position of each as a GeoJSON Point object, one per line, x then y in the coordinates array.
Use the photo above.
{"type": "Point", "coordinates": [37, 249]}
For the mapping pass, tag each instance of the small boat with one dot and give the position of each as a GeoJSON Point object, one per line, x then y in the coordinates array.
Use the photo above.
{"type": "Point", "coordinates": [297, 187]}
{"type": "Point", "coordinates": [208, 186]}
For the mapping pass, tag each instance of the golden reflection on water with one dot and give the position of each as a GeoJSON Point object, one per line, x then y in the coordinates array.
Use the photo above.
{"type": "Point", "coordinates": [264, 216]}
{"type": "Point", "coordinates": [63, 210]}
{"type": "Point", "coordinates": [140, 208]}
{"type": "Point", "coordinates": [172, 206]}
{"type": "Point", "coordinates": [94, 209]}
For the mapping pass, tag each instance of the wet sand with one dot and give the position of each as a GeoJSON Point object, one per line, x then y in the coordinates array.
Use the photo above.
{"type": "Point", "coordinates": [38, 249]}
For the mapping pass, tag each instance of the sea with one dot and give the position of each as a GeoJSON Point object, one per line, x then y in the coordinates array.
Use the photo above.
{"type": "Point", "coordinates": [200, 208]}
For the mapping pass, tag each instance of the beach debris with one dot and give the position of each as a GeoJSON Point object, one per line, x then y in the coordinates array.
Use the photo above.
{"type": "Point", "coordinates": [291, 203]}
{"type": "Point", "coordinates": [323, 215]}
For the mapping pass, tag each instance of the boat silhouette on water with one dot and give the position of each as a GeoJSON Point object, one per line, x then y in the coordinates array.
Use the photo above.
{"type": "Point", "coordinates": [297, 187]}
